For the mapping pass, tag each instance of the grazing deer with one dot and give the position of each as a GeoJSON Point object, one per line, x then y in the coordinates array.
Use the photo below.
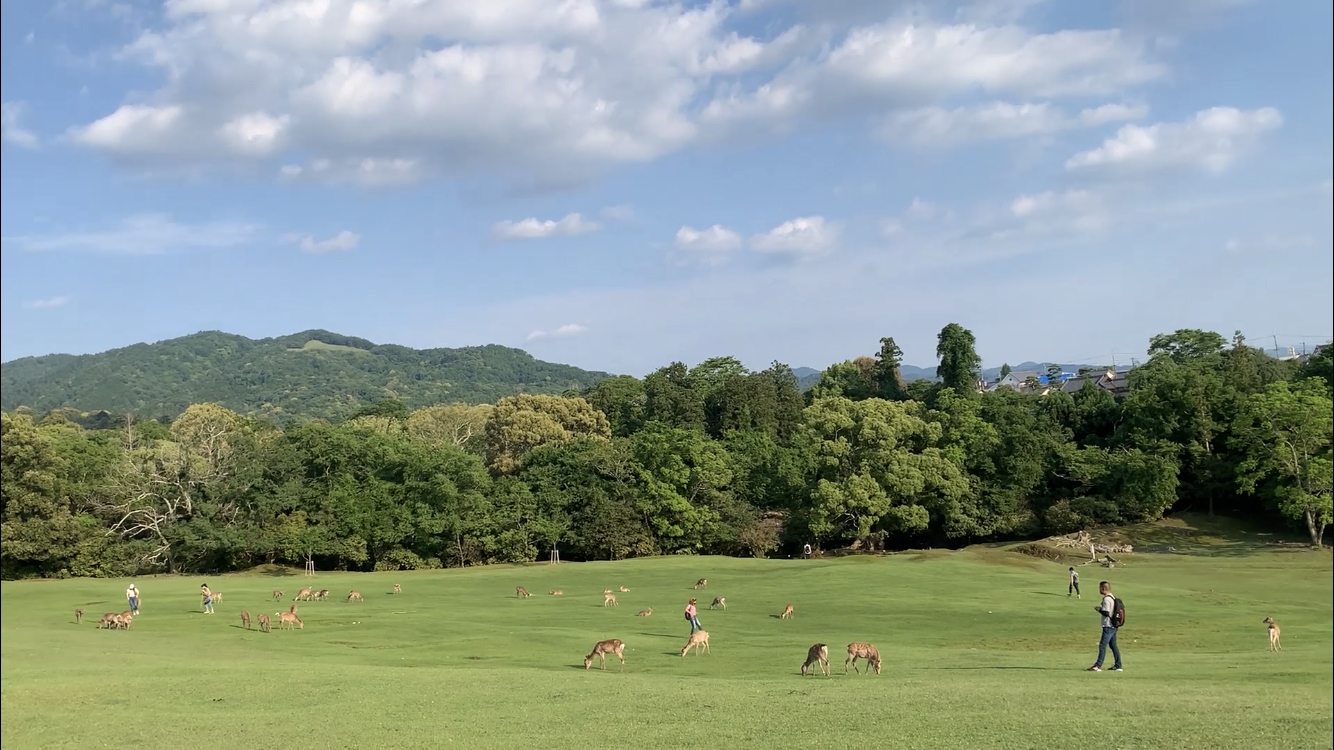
{"type": "Point", "coordinates": [698, 639]}
{"type": "Point", "coordinates": [609, 598]}
{"type": "Point", "coordinates": [264, 623]}
{"type": "Point", "coordinates": [817, 654]}
{"type": "Point", "coordinates": [862, 651]}
{"type": "Point", "coordinates": [108, 620]}
{"type": "Point", "coordinates": [719, 601]}
{"type": "Point", "coordinates": [277, 595]}
{"type": "Point", "coordinates": [354, 596]}
{"type": "Point", "coordinates": [644, 612]}
{"type": "Point", "coordinates": [398, 589]}
{"type": "Point", "coordinates": [606, 591]}
{"type": "Point", "coordinates": [323, 595]}
{"type": "Point", "coordinates": [557, 592]}
{"type": "Point", "coordinates": [701, 583]}
{"type": "Point", "coordinates": [602, 648]}
{"type": "Point", "coordinates": [288, 619]}
{"type": "Point", "coordinates": [1274, 644]}
{"type": "Point", "coordinates": [522, 592]}
{"type": "Point", "coordinates": [245, 619]}
{"type": "Point", "coordinates": [78, 617]}
{"type": "Point", "coordinates": [787, 612]}
{"type": "Point", "coordinates": [624, 590]}
{"type": "Point", "coordinates": [304, 595]}
{"type": "Point", "coordinates": [126, 618]}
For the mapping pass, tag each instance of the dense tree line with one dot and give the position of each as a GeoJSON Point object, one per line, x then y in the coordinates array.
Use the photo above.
{"type": "Point", "coordinates": [710, 459]}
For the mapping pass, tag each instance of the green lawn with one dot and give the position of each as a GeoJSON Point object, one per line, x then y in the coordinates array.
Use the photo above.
{"type": "Point", "coordinates": [982, 649]}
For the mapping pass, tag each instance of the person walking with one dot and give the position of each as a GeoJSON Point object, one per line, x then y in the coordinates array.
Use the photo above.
{"type": "Point", "coordinates": [1074, 584]}
{"type": "Point", "coordinates": [132, 596]}
{"type": "Point", "coordinates": [207, 596]}
{"type": "Point", "coordinates": [806, 552]}
{"type": "Point", "coordinates": [692, 616]}
{"type": "Point", "coordinates": [1108, 639]}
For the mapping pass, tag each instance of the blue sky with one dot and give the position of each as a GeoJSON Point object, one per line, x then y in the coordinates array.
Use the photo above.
{"type": "Point", "coordinates": [617, 184]}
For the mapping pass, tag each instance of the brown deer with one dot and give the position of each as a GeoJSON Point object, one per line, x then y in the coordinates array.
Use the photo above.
{"type": "Point", "coordinates": [323, 595]}
{"type": "Point", "coordinates": [277, 595]}
{"type": "Point", "coordinates": [701, 583]}
{"type": "Point", "coordinates": [108, 620]}
{"type": "Point", "coordinates": [217, 597]}
{"type": "Point", "coordinates": [609, 598]}
{"type": "Point", "coordinates": [557, 592]}
{"type": "Point", "coordinates": [398, 589]}
{"type": "Point", "coordinates": [787, 612]}
{"type": "Point", "coordinates": [287, 620]}
{"type": "Point", "coordinates": [606, 591]}
{"type": "Point", "coordinates": [122, 621]}
{"type": "Point", "coordinates": [522, 592]}
{"type": "Point", "coordinates": [817, 654]}
{"type": "Point", "coordinates": [126, 618]}
{"type": "Point", "coordinates": [304, 595]}
{"type": "Point", "coordinates": [602, 648]}
{"type": "Point", "coordinates": [1274, 644]}
{"type": "Point", "coordinates": [719, 601]}
{"type": "Point", "coordinates": [354, 596]}
{"type": "Point", "coordinates": [292, 609]}
{"type": "Point", "coordinates": [78, 617]}
{"type": "Point", "coordinates": [644, 612]}
{"type": "Point", "coordinates": [698, 639]}
{"type": "Point", "coordinates": [624, 590]}
{"type": "Point", "coordinates": [264, 623]}
{"type": "Point", "coordinates": [862, 651]}
{"type": "Point", "coordinates": [245, 619]}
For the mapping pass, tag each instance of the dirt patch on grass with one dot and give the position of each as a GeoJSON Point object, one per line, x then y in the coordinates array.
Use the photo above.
{"type": "Point", "coordinates": [1044, 552]}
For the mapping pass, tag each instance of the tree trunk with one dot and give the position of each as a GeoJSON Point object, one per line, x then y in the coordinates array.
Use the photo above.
{"type": "Point", "coordinates": [1316, 529]}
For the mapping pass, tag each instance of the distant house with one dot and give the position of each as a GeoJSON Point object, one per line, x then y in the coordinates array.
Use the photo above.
{"type": "Point", "coordinates": [1113, 381]}
{"type": "Point", "coordinates": [1027, 382]}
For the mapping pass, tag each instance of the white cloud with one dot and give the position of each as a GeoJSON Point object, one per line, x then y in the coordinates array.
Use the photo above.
{"type": "Point", "coordinates": [143, 234]}
{"type": "Point", "coordinates": [11, 129]}
{"type": "Point", "coordinates": [564, 332]}
{"type": "Point", "coordinates": [709, 246]}
{"type": "Point", "coordinates": [342, 242]}
{"type": "Point", "coordinates": [804, 237]}
{"type": "Point", "coordinates": [390, 92]}
{"type": "Point", "coordinates": [533, 229]}
{"type": "Point", "coordinates": [47, 304]}
{"type": "Point", "coordinates": [1210, 141]}
{"type": "Point", "coordinates": [937, 126]}
{"type": "Point", "coordinates": [1072, 211]}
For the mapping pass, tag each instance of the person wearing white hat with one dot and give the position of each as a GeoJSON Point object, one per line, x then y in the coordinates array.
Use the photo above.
{"type": "Point", "coordinates": [132, 594]}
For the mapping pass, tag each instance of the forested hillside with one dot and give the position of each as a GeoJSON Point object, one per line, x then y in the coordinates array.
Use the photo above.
{"type": "Point", "coordinates": [308, 374]}
{"type": "Point", "coordinates": [706, 459]}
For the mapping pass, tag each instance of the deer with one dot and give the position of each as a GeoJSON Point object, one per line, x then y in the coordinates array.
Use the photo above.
{"type": "Point", "coordinates": [522, 592]}
{"type": "Point", "coordinates": [606, 591]}
{"type": "Point", "coordinates": [787, 612]}
{"type": "Point", "coordinates": [819, 655]}
{"type": "Point", "coordinates": [862, 651]}
{"type": "Point", "coordinates": [277, 595]}
{"type": "Point", "coordinates": [644, 612]}
{"type": "Point", "coordinates": [557, 592]}
{"type": "Point", "coordinates": [602, 648]}
{"type": "Point", "coordinates": [78, 617]}
{"type": "Point", "coordinates": [304, 595]}
{"type": "Point", "coordinates": [1274, 644]}
{"type": "Point", "coordinates": [217, 597]}
{"type": "Point", "coordinates": [701, 583]}
{"type": "Point", "coordinates": [323, 595]}
{"type": "Point", "coordinates": [245, 619]}
{"type": "Point", "coordinates": [108, 620]}
{"type": "Point", "coordinates": [624, 590]}
{"type": "Point", "coordinates": [609, 598]}
{"type": "Point", "coordinates": [354, 596]}
{"type": "Point", "coordinates": [126, 618]}
{"type": "Point", "coordinates": [698, 639]}
{"type": "Point", "coordinates": [292, 609]}
{"type": "Point", "coordinates": [398, 589]}
{"type": "Point", "coordinates": [264, 623]}
{"type": "Point", "coordinates": [287, 620]}
{"type": "Point", "coordinates": [719, 601]}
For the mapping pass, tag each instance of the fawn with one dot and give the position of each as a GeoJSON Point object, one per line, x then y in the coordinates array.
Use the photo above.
{"type": "Point", "coordinates": [78, 617]}
{"type": "Point", "coordinates": [1274, 644]}
{"type": "Point", "coordinates": [354, 596]}
{"type": "Point", "coordinates": [817, 654]}
{"type": "Point", "coordinates": [277, 595]}
{"type": "Point", "coordinates": [624, 590]}
{"type": "Point", "coordinates": [787, 612]}
{"type": "Point", "coordinates": [557, 592]}
{"type": "Point", "coordinates": [862, 651]}
{"type": "Point", "coordinates": [701, 583]}
{"type": "Point", "coordinates": [398, 589]}
{"type": "Point", "coordinates": [289, 619]}
{"type": "Point", "coordinates": [698, 639]}
{"type": "Point", "coordinates": [719, 601]}
{"type": "Point", "coordinates": [245, 619]}
{"type": "Point", "coordinates": [644, 612]}
{"type": "Point", "coordinates": [264, 623]}
{"type": "Point", "coordinates": [602, 648]}
{"type": "Point", "coordinates": [522, 592]}
{"type": "Point", "coordinates": [323, 595]}
{"type": "Point", "coordinates": [609, 598]}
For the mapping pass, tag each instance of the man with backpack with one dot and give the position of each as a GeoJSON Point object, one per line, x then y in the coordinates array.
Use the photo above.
{"type": "Point", "coordinates": [1113, 614]}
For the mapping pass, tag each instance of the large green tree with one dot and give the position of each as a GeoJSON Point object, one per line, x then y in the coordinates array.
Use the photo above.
{"type": "Point", "coordinates": [956, 348]}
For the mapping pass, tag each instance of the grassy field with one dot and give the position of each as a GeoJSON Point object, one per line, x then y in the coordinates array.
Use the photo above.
{"type": "Point", "coordinates": [982, 650]}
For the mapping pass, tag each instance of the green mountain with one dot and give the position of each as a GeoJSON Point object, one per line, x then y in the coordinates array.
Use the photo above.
{"type": "Point", "coordinates": [308, 374]}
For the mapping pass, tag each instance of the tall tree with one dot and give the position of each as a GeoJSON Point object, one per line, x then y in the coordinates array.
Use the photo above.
{"type": "Point", "coordinates": [956, 348]}
{"type": "Point", "coordinates": [889, 380]}
{"type": "Point", "coordinates": [670, 398]}
{"type": "Point", "coordinates": [521, 423]}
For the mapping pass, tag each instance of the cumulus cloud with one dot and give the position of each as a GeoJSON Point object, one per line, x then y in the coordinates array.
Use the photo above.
{"type": "Point", "coordinates": [143, 234]}
{"type": "Point", "coordinates": [564, 332]}
{"type": "Point", "coordinates": [48, 303]}
{"type": "Point", "coordinates": [390, 92]}
{"type": "Point", "coordinates": [804, 237]}
{"type": "Point", "coordinates": [11, 129]}
{"type": "Point", "coordinates": [534, 229]}
{"type": "Point", "coordinates": [342, 242]}
{"type": "Point", "coordinates": [709, 246]}
{"type": "Point", "coordinates": [937, 126]}
{"type": "Point", "coordinates": [1210, 142]}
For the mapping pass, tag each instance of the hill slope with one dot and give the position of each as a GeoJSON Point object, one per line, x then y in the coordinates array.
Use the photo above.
{"type": "Point", "coordinates": [312, 374]}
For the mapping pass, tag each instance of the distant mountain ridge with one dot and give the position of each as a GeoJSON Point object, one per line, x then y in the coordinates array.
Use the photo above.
{"type": "Point", "coordinates": [313, 373]}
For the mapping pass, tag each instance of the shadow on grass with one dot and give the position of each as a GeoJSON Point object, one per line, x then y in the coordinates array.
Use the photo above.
{"type": "Point", "coordinates": [1045, 593]}
{"type": "Point", "coordinates": [1042, 669]}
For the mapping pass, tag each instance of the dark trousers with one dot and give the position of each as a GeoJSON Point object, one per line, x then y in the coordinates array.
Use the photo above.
{"type": "Point", "coordinates": [1109, 640]}
{"type": "Point", "coordinates": [1074, 589]}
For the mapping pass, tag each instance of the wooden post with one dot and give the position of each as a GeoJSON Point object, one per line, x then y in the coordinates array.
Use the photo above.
{"type": "Point", "coordinates": [310, 564]}
{"type": "Point", "coordinates": [555, 556]}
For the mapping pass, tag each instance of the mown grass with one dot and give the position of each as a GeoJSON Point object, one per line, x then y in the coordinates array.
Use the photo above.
{"type": "Point", "coordinates": [982, 650]}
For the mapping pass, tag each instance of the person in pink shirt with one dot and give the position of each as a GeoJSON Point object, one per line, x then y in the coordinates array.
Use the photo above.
{"type": "Point", "coordinates": [692, 616]}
